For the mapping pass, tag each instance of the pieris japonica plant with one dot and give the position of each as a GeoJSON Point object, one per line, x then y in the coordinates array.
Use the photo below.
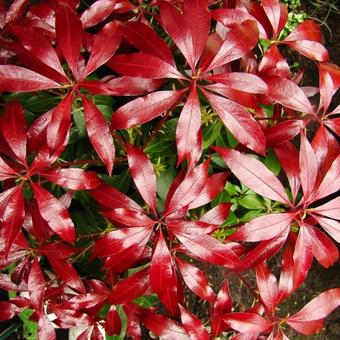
{"type": "Point", "coordinates": [143, 143]}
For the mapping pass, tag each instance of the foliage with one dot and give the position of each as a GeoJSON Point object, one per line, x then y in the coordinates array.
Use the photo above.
{"type": "Point", "coordinates": [142, 141]}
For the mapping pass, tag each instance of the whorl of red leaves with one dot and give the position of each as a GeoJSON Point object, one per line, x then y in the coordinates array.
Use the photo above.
{"type": "Point", "coordinates": [165, 55]}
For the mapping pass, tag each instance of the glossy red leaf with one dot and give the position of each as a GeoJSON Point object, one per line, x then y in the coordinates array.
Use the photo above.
{"type": "Point", "coordinates": [192, 227]}
{"type": "Point", "coordinates": [188, 126]}
{"type": "Point", "coordinates": [117, 241]}
{"type": "Point", "coordinates": [217, 215]}
{"type": "Point", "coordinates": [68, 318]}
{"type": "Point", "coordinates": [267, 285]}
{"type": "Point", "coordinates": [13, 129]}
{"type": "Point", "coordinates": [208, 249]}
{"type": "Point", "coordinates": [57, 250]}
{"type": "Point", "coordinates": [240, 40]}
{"type": "Point", "coordinates": [241, 81]}
{"type": "Point", "coordinates": [307, 30]}
{"type": "Point", "coordinates": [73, 178]}
{"type": "Point", "coordinates": [189, 189]}
{"type": "Point", "coordinates": [163, 278]}
{"type": "Point", "coordinates": [18, 79]}
{"type": "Point", "coordinates": [264, 227]}
{"type": "Point", "coordinates": [163, 327]}
{"type": "Point", "coordinates": [143, 65]}
{"type": "Point", "coordinates": [54, 213]}
{"type": "Point", "coordinates": [193, 325]}
{"type": "Point", "coordinates": [196, 280]}
{"type": "Point", "coordinates": [248, 323]}
{"type": "Point", "coordinates": [144, 109]}
{"type": "Point", "coordinates": [215, 184]}
{"type": "Point", "coordinates": [127, 217]}
{"type": "Point", "coordinates": [315, 310]}
{"type": "Point", "coordinates": [274, 64]}
{"type": "Point", "coordinates": [330, 209]}
{"type": "Point", "coordinates": [254, 174]}
{"type": "Point", "coordinates": [69, 32]}
{"type": "Point", "coordinates": [310, 49]}
{"type": "Point", "coordinates": [36, 286]}
{"type": "Point", "coordinates": [288, 157]}
{"type": "Point", "coordinates": [277, 14]}
{"type": "Point", "coordinates": [46, 329]}
{"type": "Point", "coordinates": [105, 44]}
{"type": "Point", "coordinates": [324, 250]}
{"type": "Point", "coordinates": [67, 273]}
{"type": "Point", "coordinates": [331, 226]}
{"type": "Point", "coordinates": [8, 310]}
{"type": "Point", "coordinates": [6, 171]}
{"type": "Point", "coordinates": [146, 39]}
{"type": "Point", "coordinates": [239, 121]}
{"type": "Point", "coordinates": [16, 10]}
{"type": "Point", "coordinates": [84, 301]}
{"type": "Point", "coordinates": [308, 167]}
{"type": "Point", "coordinates": [288, 94]}
{"type": "Point", "coordinates": [189, 30]}
{"type": "Point", "coordinates": [143, 174]}
{"type": "Point", "coordinates": [12, 217]}
{"type": "Point", "coordinates": [130, 288]}
{"type": "Point", "coordinates": [110, 197]}
{"type": "Point", "coordinates": [59, 125]}
{"type": "Point", "coordinates": [113, 322]}
{"type": "Point", "coordinates": [40, 48]}
{"type": "Point", "coordinates": [99, 134]}
{"type": "Point", "coordinates": [230, 16]}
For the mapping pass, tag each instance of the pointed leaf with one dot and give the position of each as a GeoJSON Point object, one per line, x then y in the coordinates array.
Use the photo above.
{"type": "Point", "coordinates": [69, 32]}
{"type": "Point", "coordinates": [99, 134]}
{"type": "Point", "coordinates": [193, 325]}
{"type": "Point", "coordinates": [163, 278]}
{"type": "Point", "coordinates": [143, 65]}
{"type": "Point", "coordinates": [310, 49]}
{"type": "Point", "coordinates": [127, 217]}
{"type": "Point", "coordinates": [54, 213]}
{"type": "Point", "coordinates": [330, 209]}
{"type": "Point", "coordinates": [6, 171]}
{"type": "Point", "coordinates": [239, 121]}
{"type": "Point", "coordinates": [188, 126]}
{"type": "Point", "coordinates": [254, 174]}
{"type": "Point", "coordinates": [277, 14]}
{"type": "Point", "coordinates": [105, 44]}
{"type": "Point", "coordinates": [36, 286]}
{"type": "Point", "coordinates": [240, 40]}
{"type": "Point", "coordinates": [18, 79]}
{"type": "Point", "coordinates": [196, 280]}
{"type": "Point", "coordinates": [46, 329]}
{"type": "Point", "coordinates": [143, 175]}
{"type": "Point", "coordinates": [144, 109]}
{"type": "Point", "coordinates": [217, 215]}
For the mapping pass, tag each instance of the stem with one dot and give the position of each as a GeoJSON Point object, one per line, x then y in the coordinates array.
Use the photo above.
{"type": "Point", "coordinates": [248, 285]}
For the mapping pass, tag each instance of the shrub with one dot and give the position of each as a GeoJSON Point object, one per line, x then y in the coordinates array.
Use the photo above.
{"type": "Point", "coordinates": [144, 142]}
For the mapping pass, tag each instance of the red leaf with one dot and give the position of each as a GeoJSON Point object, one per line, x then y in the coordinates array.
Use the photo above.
{"type": "Point", "coordinates": [208, 249]}
{"type": "Point", "coordinates": [193, 325]}
{"type": "Point", "coordinates": [277, 14]}
{"type": "Point", "coordinates": [331, 226]}
{"type": "Point", "coordinates": [69, 33]}
{"type": "Point", "coordinates": [307, 30]}
{"type": "Point", "coordinates": [264, 227]}
{"type": "Point", "coordinates": [6, 171]}
{"type": "Point", "coordinates": [67, 318]}
{"type": "Point", "coordinates": [241, 81]}
{"type": "Point", "coordinates": [45, 329]}
{"type": "Point", "coordinates": [324, 250]}
{"type": "Point", "coordinates": [36, 287]}
{"type": "Point", "coordinates": [40, 47]}
{"type": "Point", "coordinates": [330, 209]}
{"type": "Point", "coordinates": [267, 285]}
{"type": "Point", "coordinates": [54, 213]}
{"type": "Point", "coordinates": [144, 109]}
{"type": "Point", "coordinates": [73, 178]}
{"type": "Point", "coordinates": [315, 310]}
{"type": "Point", "coordinates": [240, 40]}
{"type": "Point", "coordinates": [143, 175]}
{"type": "Point", "coordinates": [57, 250]}
{"type": "Point", "coordinates": [196, 280]}
{"type": "Point", "coordinates": [308, 167]}
{"type": "Point", "coordinates": [288, 94]}
{"type": "Point", "coordinates": [310, 49]}
{"type": "Point", "coordinates": [189, 30]}
{"type": "Point", "coordinates": [192, 227]}
{"type": "Point", "coordinates": [99, 134]}
{"type": "Point", "coordinates": [13, 128]}
{"type": "Point", "coordinates": [58, 128]}
{"type": "Point", "coordinates": [146, 39]}
{"type": "Point", "coordinates": [127, 217]}
{"type": "Point", "coordinates": [16, 10]}
{"type": "Point", "coordinates": [248, 323]}
{"type": "Point", "coordinates": [105, 44]}
{"type": "Point", "coordinates": [239, 121]}
{"type": "Point", "coordinates": [289, 160]}
{"type": "Point", "coordinates": [163, 278]}
{"type": "Point", "coordinates": [163, 327]}
{"type": "Point", "coordinates": [217, 215]}
{"type": "Point", "coordinates": [67, 273]}
{"type": "Point", "coordinates": [8, 310]}
{"type": "Point", "coordinates": [113, 322]}
{"type": "Point", "coordinates": [130, 288]}
{"type": "Point", "coordinates": [223, 303]}
{"type": "Point", "coordinates": [18, 79]}
{"type": "Point", "coordinates": [274, 64]}
{"type": "Point", "coordinates": [12, 217]}
{"type": "Point", "coordinates": [143, 65]}
{"type": "Point", "coordinates": [188, 126]}
{"type": "Point", "coordinates": [84, 301]}
{"type": "Point", "coordinates": [254, 174]}
{"type": "Point", "coordinates": [189, 189]}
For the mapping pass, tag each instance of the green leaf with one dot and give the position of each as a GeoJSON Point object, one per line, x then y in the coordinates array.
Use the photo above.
{"type": "Point", "coordinates": [163, 184]}
{"type": "Point", "coordinates": [211, 133]}
{"type": "Point", "coordinates": [30, 327]}
{"type": "Point", "coordinates": [120, 182]}
{"type": "Point", "coordinates": [272, 163]}
{"type": "Point", "coordinates": [251, 202]}
{"type": "Point", "coordinates": [147, 301]}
